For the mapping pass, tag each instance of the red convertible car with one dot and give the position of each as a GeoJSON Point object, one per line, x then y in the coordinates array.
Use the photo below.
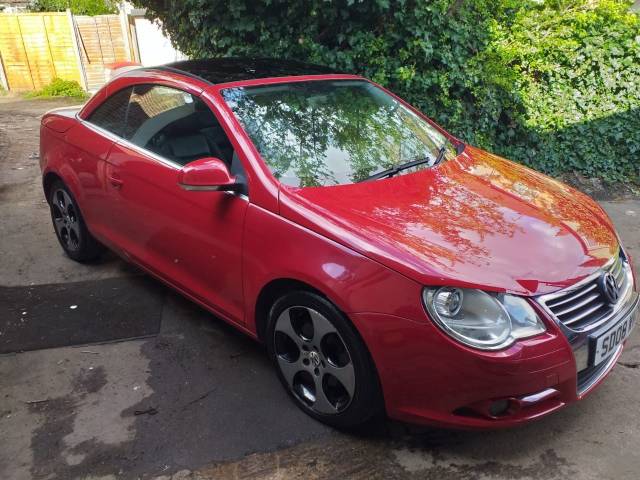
{"type": "Point", "coordinates": [387, 266]}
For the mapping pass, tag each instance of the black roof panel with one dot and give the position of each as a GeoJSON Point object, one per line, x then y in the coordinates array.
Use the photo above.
{"type": "Point", "coordinates": [229, 69]}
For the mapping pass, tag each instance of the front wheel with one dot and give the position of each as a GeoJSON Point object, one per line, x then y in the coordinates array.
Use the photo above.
{"type": "Point", "coordinates": [69, 225]}
{"type": "Point", "coordinates": [321, 361]}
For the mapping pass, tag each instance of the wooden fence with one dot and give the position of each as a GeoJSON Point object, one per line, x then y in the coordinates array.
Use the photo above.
{"type": "Point", "coordinates": [35, 48]}
{"type": "Point", "coordinates": [102, 41]}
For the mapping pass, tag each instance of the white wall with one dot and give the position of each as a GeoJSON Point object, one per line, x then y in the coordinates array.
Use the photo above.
{"type": "Point", "coordinates": [153, 46]}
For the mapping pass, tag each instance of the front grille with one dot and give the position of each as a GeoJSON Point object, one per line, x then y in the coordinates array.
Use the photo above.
{"type": "Point", "coordinates": [584, 305]}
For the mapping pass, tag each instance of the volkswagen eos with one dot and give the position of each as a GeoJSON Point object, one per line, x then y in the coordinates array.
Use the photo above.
{"type": "Point", "coordinates": [387, 266]}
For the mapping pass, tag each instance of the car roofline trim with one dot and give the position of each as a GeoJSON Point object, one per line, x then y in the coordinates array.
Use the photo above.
{"type": "Point", "coordinates": [250, 81]}
{"type": "Point", "coordinates": [254, 82]}
{"type": "Point", "coordinates": [166, 68]}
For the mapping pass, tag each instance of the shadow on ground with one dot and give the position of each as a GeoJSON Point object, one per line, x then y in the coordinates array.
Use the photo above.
{"type": "Point", "coordinates": [214, 397]}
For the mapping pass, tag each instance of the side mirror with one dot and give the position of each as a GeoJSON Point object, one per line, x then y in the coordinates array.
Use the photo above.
{"type": "Point", "coordinates": [207, 174]}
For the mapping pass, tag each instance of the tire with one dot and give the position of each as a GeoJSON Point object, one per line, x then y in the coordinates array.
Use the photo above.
{"type": "Point", "coordinates": [69, 225]}
{"type": "Point", "coordinates": [314, 346]}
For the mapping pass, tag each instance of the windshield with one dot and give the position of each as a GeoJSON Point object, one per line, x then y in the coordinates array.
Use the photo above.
{"type": "Point", "coordinates": [318, 133]}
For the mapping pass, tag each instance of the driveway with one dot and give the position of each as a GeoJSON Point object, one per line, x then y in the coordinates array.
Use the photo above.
{"type": "Point", "coordinates": [105, 373]}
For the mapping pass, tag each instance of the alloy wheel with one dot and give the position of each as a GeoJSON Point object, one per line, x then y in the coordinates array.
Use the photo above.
{"type": "Point", "coordinates": [65, 219]}
{"type": "Point", "coordinates": [314, 360]}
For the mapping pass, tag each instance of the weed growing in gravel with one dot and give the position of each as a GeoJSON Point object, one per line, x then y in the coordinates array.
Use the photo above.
{"type": "Point", "coordinates": [60, 88]}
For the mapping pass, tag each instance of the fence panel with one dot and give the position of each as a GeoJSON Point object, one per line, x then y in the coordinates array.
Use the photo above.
{"type": "Point", "coordinates": [36, 48]}
{"type": "Point", "coordinates": [62, 48]}
{"type": "Point", "coordinates": [101, 41]}
{"type": "Point", "coordinates": [14, 54]}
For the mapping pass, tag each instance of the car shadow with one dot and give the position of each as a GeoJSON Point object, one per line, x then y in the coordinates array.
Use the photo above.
{"type": "Point", "coordinates": [218, 398]}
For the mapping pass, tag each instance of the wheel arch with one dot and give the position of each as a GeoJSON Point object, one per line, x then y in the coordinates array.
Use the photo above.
{"type": "Point", "coordinates": [278, 287]}
{"type": "Point", "coordinates": [271, 292]}
{"type": "Point", "coordinates": [66, 175]}
{"type": "Point", "coordinates": [47, 181]}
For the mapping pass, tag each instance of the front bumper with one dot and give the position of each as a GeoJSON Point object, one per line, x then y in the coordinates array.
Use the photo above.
{"type": "Point", "coordinates": [590, 376]}
{"type": "Point", "coordinates": [427, 378]}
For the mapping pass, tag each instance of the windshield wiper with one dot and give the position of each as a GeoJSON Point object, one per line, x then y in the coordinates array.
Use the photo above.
{"type": "Point", "coordinates": [441, 152]}
{"type": "Point", "coordinates": [390, 172]}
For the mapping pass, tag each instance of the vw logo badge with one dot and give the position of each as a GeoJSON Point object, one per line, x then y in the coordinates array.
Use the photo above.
{"type": "Point", "coordinates": [609, 288]}
{"type": "Point", "coordinates": [315, 358]}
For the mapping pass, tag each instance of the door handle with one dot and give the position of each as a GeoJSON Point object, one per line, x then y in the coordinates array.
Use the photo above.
{"type": "Point", "coordinates": [115, 181]}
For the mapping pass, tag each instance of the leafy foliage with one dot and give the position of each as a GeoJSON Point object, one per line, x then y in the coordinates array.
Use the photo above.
{"type": "Point", "coordinates": [60, 88]}
{"type": "Point", "coordinates": [78, 7]}
{"type": "Point", "coordinates": [551, 83]}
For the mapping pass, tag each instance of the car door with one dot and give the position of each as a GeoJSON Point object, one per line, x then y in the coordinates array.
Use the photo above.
{"type": "Point", "coordinates": [92, 141]}
{"type": "Point", "coordinates": [192, 239]}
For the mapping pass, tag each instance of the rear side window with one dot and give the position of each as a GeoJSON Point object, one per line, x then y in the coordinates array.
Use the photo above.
{"type": "Point", "coordinates": [111, 113]}
{"type": "Point", "coordinates": [175, 125]}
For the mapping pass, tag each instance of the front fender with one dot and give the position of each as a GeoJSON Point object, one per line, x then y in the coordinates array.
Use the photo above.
{"type": "Point", "coordinates": [276, 248]}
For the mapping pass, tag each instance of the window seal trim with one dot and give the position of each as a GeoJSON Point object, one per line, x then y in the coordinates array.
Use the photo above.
{"type": "Point", "coordinates": [152, 156]}
{"type": "Point", "coordinates": [121, 141]}
{"type": "Point", "coordinates": [136, 148]}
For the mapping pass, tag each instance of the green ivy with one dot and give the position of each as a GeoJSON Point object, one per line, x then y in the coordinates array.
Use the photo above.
{"type": "Point", "coordinates": [551, 83]}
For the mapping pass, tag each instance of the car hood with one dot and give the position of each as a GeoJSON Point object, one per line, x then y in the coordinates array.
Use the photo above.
{"type": "Point", "coordinates": [475, 221]}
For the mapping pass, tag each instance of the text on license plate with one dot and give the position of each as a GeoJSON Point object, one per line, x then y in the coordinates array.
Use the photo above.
{"type": "Point", "coordinates": [607, 342]}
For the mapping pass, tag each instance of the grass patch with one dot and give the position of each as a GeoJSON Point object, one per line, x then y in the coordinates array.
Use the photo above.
{"type": "Point", "coordinates": [60, 88]}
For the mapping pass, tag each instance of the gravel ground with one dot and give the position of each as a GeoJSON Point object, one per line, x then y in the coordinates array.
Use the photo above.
{"type": "Point", "coordinates": [193, 399]}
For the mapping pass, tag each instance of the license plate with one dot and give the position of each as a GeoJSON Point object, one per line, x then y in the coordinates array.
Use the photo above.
{"type": "Point", "coordinates": [607, 343]}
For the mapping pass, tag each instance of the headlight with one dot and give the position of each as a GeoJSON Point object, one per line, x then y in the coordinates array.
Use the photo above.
{"type": "Point", "coordinates": [482, 320]}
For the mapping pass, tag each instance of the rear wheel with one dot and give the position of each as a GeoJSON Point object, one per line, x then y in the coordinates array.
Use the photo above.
{"type": "Point", "coordinates": [321, 361]}
{"type": "Point", "coordinates": [69, 225]}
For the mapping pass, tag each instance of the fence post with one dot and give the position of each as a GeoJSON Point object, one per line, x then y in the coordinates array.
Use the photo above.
{"type": "Point", "coordinates": [76, 49]}
{"type": "Point", "coordinates": [124, 26]}
{"type": "Point", "coordinates": [133, 36]}
{"type": "Point", "coordinates": [3, 76]}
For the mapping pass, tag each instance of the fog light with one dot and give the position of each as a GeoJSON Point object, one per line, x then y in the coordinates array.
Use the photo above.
{"type": "Point", "coordinates": [498, 407]}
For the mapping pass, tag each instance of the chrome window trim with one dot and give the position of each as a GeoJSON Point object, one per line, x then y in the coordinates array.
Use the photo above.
{"type": "Point", "coordinates": [152, 156]}
{"type": "Point", "coordinates": [121, 141]}
{"type": "Point", "coordinates": [149, 154]}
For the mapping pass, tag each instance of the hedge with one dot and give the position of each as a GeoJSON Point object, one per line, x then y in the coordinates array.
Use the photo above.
{"type": "Point", "coordinates": [551, 83]}
{"type": "Point", "coordinates": [77, 7]}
